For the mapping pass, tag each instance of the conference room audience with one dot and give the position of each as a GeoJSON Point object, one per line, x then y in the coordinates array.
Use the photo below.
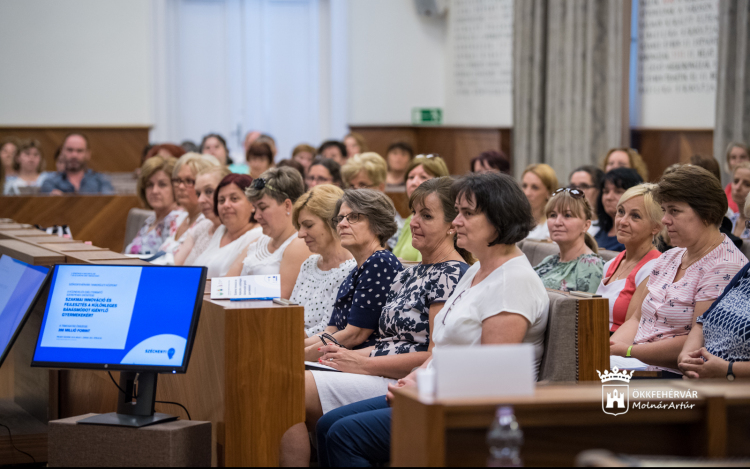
{"type": "Point", "coordinates": [324, 171]}
{"type": "Point", "coordinates": [156, 193]}
{"type": "Point", "coordinates": [500, 300]}
{"type": "Point", "coordinates": [577, 267]}
{"type": "Point", "coordinates": [740, 190]}
{"type": "Point", "coordinates": [589, 179]}
{"type": "Point", "coordinates": [736, 153]}
{"type": "Point", "coordinates": [615, 183]}
{"type": "Point", "coordinates": [491, 161]}
{"type": "Point", "coordinates": [364, 223]}
{"type": "Point", "coordinates": [685, 280]}
{"type": "Point", "coordinates": [237, 230]}
{"type": "Point", "coordinates": [183, 183]}
{"type": "Point", "coordinates": [29, 167]}
{"type": "Point", "coordinates": [321, 275]}
{"type": "Point", "coordinates": [638, 222]}
{"type": "Point", "coordinates": [355, 143]}
{"type": "Point", "coordinates": [8, 153]}
{"type": "Point", "coordinates": [77, 177]}
{"type": "Point", "coordinates": [216, 146]}
{"type": "Point", "coordinates": [398, 156]}
{"type": "Point", "coordinates": [334, 150]}
{"type": "Point", "coordinates": [720, 339]}
{"type": "Point", "coordinates": [420, 169]}
{"type": "Point", "coordinates": [539, 181]}
{"type": "Point", "coordinates": [259, 158]}
{"type": "Point", "coordinates": [294, 165]}
{"type": "Point", "coordinates": [625, 158]}
{"type": "Point", "coordinates": [415, 297]}
{"type": "Point", "coordinates": [304, 154]}
{"type": "Point", "coordinates": [278, 251]}
{"type": "Point", "coordinates": [200, 235]}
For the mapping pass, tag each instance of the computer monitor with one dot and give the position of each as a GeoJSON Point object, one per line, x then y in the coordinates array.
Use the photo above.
{"type": "Point", "coordinates": [140, 320]}
{"type": "Point", "coordinates": [20, 286]}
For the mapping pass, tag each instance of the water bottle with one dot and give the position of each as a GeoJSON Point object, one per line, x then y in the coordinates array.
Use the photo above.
{"type": "Point", "coordinates": [504, 439]}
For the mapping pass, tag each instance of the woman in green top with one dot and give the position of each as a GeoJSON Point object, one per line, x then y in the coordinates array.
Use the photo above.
{"type": "Point", "coordinates": [578, 267]}
{"type": "Point", "coordinates": [422, 168]}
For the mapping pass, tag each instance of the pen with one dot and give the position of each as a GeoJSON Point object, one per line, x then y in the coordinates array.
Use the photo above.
{"type": "Point", "coordinates": [251, 299]}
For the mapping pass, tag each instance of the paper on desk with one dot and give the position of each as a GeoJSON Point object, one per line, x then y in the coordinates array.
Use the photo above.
{"type": "Point", "coordinates": [249, 287]}
{"type": "Point", "coordinates": [317, 366]}
{"type": "Point", "coordinates": [484, 371]}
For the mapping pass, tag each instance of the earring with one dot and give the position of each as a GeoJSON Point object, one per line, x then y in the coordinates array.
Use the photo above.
{"type": "Point", "coordinates": [287, 213]}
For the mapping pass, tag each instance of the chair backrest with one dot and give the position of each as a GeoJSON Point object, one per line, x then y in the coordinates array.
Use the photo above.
{"type": "Point", "coordinates": [136, 219]}
{"type": "Point", "coordinates": [576, 343]}
{"type": "Point", "coordinates": [608, 255]}
{"type": "Point", "coordinates": [536, 251]}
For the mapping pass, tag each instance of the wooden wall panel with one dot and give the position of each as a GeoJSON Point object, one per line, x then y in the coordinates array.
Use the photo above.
{"type": "Point", "coordinates": [100, 219]}
{"type": "Point", "coordinates": [661, 148]}
{"type": "Point", "coordinates": [457, 145]}
{"type": "Point", "coordinates": [113, 149]}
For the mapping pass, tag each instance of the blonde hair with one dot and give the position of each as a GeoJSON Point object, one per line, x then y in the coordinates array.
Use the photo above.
{"type": "Point", "coordinates": [743, 165]}
{"type": "Point", "coordinates": [372, 163]}
{"type": "Point", "coordinates": [196, 162]}
{"type": "Point", "coordinates": [635, 159]}
{"type": "Point", "coordinates": [321, 202]}
{"type": "Point", "coordinates": [645, 190]}
{"type": "Point", "coordinates": [360, 139]}
{"type": "Point", "coordinates": [150, 167]}
{"type": "Point", "coordinates": [545, 173]}
{"type": "Point", "coordinates": [580, 207]}
{"type": "Point", "coordinates": [221, 171]}
{"type": "Point", "coordinates": [434, 166]}
{"type": "Point", "coordinates": [303, 147]}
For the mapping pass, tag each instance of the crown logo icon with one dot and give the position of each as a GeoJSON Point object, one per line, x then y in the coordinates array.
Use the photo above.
{"type": "Point", "coordinates": [615, 375]}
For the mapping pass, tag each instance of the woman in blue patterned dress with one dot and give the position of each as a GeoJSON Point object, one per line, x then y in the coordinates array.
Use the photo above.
{"type": "Point", "coordinates": [415, 297]}
{"type": "Point", "coordinates": [719, 345]}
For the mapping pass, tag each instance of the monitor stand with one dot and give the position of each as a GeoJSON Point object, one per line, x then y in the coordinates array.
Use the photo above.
{"type": "Point", "coordinates": [135, 407]}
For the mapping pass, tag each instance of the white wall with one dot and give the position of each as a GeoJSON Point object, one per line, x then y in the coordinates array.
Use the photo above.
{"type": "Point", "coordinates": [75, 62]}
{"type": "Point", "coordinates": [396, 61]}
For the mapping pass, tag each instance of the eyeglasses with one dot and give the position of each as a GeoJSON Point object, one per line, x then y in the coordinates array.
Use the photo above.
{"type": "Point", "coordinates": [583, 187]}
{"type": "Point", "coordinates": [575, 193]}
{"type": "Point", "coordinates": [454, 304]}
{"type": "Point", "coordinates": [352, 218]}
{"type": "Point", "coordinates": [188, 182]}
{"type": "Point", "coordinates": [330, 338]}
{"type": "Point", "coordinates": [260, 183]}
{"type": "Point", "coordinates": [319, 179]}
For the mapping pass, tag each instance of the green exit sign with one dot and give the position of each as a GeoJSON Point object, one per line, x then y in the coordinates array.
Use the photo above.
{"type": "Point", "coordinates": [427, 116]}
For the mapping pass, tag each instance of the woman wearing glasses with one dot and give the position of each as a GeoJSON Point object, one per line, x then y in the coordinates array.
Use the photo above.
{"type": "Point", "coordinates": [279, 250]}
{"type": "Point", "coordinates": [415, 297]}
{"type": "Point", "coordinates": [500, 300]}
{"type": "Point", "coordinates": [156, 193]}
{"type": "Point", "coordinates": [183, 182]}
{"type": "Point", "coordinates": [578, 267]}
{"type": "Point", "coordinates": [589, 179]}
{"type": "Point", "coordinates": [324, 171]}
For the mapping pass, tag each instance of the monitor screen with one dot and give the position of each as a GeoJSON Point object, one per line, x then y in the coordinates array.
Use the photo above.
{"type": "Point", "coordinates": [127, 318]}
{"type": "Point", "coordinates": [20, 283]}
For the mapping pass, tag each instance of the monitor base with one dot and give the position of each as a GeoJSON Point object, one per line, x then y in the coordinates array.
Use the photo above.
{"type": "Point", "coordinates": [132, 421]}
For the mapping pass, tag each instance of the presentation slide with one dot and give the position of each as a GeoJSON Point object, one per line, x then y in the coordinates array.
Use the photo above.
{"type": "Point", "coordinates": [19, 284]}
{"type": "Point", "coordinates": [126, 315]}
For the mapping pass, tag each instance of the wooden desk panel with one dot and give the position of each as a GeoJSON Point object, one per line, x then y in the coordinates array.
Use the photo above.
{"type": "Point", "coordinates": [44, 240]}
{"type": "Point", "coordinates": [123, 262]}
{"type": "Point", "coordinates": [29, 253]}
{"type": "Point", "coordinates": [71, 247]}
{"type": "Point", "coordinates": [14, 226]}
{"type": "Point", "coordinates": [22, 233]}
{"type": "Point", "coordinates": [92, 257]}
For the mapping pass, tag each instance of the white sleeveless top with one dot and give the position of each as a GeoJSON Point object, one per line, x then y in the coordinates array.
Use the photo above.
{"type": "Point", "coordinates": [261, 262]}
{"type": "Point", "coordinates": [219, 260]}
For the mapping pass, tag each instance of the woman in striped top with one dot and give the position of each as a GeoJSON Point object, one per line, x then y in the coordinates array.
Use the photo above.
{"type": "Point", "coordinates": [684, 281]}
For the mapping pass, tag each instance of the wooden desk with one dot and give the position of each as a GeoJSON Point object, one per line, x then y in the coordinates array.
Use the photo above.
{"type": "Point", "coordinates": [14, 226]}
{"type": "Point", "coordinates": [560, 421]}
{"type": "Point", "coordinates": [92, 257]}
{"type": "Point", "coordinates": [20, 233]}
{"type": "Point", "coordinates": [246, 376]}
{"type": "Point", "coordinates": [29, 253]}
{"type": "Point", "coordinates": [71, 247]}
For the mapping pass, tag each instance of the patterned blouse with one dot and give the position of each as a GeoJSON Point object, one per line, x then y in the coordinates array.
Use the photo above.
{"type": "Point", "coordinates": [582, 274]}
{"type": "Point", "coordinates": [726, 324]}
{"type": "Point", "coordinates": [362, 296]}
{"type": "Point", "coordinates": [405, 320]}
{"type": "Point", "coordinates": [148, 241]}
{"type": "Point", "coordinates": [667, 311]}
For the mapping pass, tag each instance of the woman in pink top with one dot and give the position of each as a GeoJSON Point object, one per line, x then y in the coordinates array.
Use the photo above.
{"type": "Point", "coordinates": [684, 281]}
{"type": "Point", "coordinates": [637, 221]}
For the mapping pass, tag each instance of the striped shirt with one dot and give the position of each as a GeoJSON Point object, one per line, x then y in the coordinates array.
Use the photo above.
{"type": "Point", "coordinates": [668, 309]}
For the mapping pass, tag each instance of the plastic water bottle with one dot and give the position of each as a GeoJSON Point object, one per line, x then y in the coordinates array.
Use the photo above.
{"type": "Point", "coordinates": [505, 439]}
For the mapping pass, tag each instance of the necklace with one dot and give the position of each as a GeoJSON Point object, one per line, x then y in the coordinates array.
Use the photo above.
{"type": "Point", "coordinates": [710, 248]}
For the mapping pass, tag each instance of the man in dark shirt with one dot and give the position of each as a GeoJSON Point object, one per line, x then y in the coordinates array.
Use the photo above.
{"type": "Point", "coordinates": [77, 177]}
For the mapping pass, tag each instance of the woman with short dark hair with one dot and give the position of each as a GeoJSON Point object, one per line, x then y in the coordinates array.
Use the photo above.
{"type": "Point", "coordinates": [29, 167]}
{"type": "Point", "coordinates": [324, 171]}
{"type": "Point", "coordinates": [685, 280]}
{"type": "Point", "coordinates": [216, 146]}
{"type": "Point", "coordinates": [259, 158]}
{"type": "Point", "coordinates": [615, 183]}
{"type": "Point", "coordinates": [589, 179]}
{"type": "Point", "coordinates": [491, 161]}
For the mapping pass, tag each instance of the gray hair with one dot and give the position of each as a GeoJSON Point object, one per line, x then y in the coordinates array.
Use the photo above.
{"type": "Point", "coordinates": [376, 206]}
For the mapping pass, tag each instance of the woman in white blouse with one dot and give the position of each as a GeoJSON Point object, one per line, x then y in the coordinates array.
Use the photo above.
{"type": "Point", "coordinates": [637, 221]}
{"type": "Point", "coordinates": [279, 250]}
{"type": "Point", "coordinates": [322, 273]}
{"type": "Point", "coordinates": [237, 230]}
